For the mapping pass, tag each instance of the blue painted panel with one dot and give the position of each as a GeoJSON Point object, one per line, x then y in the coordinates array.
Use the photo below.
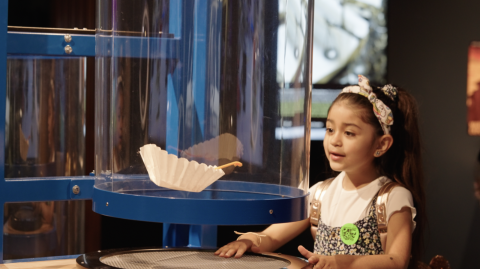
{"type": "Point", "coordinates": [47, 189]}
{"type": "Point", "coordinates": [84, 45]}
{"type": "Point", "coordinates": [175, 235]}
{"type": "Point", "coordinates": [259, 209]}
{"type": "Point", "coordinates": [175, 18]}
{"type": "Point", "coordinates": [200, 63]}
{"type": "Point", "coordinates": [86, 188]}
{"type": "Point", "coordinates": [172, 117]}
{"type": "Point", "coordinates": [202, 236]}
{"type": "Point", "coordinates": [49, 44]}
{"type": "Point", "coordinates": [182, 77]}
{"type": "Point", "coordinates": [193, 236]}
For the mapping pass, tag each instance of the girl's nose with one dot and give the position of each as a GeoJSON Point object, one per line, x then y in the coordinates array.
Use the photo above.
{"type": "Point", "coordinates": [335, 139]}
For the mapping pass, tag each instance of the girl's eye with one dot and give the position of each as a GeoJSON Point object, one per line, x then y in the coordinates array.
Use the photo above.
{"type": "Point", "coordinates": [349, 134]}
{"type": "Point", "coordinates": [329, 130]}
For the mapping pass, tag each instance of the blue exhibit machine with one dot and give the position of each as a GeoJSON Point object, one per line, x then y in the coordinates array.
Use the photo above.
{"type": "Point", "coordinates": [201, 79]}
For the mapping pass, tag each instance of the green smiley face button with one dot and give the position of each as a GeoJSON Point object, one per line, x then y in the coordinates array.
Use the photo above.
{"type": "Point", "coordinates": [349, 234]}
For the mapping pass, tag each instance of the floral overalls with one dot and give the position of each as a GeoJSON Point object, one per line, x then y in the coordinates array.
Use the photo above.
{"type": "Point", "coordinates": [328, 241]}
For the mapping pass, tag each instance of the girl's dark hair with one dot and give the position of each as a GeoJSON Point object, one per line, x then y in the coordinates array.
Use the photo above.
{"type": "Point", "coordinates": [403, 161]}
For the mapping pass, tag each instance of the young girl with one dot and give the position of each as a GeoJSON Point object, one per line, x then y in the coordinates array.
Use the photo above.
{"type": "Point", "coordinates": [373, 139]}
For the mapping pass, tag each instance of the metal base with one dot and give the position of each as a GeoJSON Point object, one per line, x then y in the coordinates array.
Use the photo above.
{"type": "Point", "coordinates": [184, 258]}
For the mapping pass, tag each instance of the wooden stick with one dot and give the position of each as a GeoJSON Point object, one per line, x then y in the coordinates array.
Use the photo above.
{"type": "Point", "coordinates": [230, 164]}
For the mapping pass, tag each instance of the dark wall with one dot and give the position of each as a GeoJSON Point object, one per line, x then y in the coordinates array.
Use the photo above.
{"type": "Point", "coordinates": [427, 54]}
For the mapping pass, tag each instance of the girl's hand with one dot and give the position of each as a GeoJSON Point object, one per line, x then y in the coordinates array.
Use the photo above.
{"type": "Point", "coordinates": [239, 247]}
{"type": "Point", "coordinates": [319, 261]}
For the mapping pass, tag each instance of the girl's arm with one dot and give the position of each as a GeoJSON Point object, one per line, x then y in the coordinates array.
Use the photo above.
{"type": "Point", "coordinates": [397, 254]}
{"type": "Point", "coordinates": [276, 235]}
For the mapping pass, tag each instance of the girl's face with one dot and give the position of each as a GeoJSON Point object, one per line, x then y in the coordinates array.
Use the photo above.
{"type": "Point", "coordinates": [349, 143]}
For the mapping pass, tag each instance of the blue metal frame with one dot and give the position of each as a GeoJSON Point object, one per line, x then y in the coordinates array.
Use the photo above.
{"type": "Point", "coordinates": [84, 45]}
{"type": "Point", "coordinates": [36, 189]}
{"type": "Point", "coordinates": [60, 188]}
{"type": "Point", "coordinates": [45, 189]}
{"type": "Point", "coordinates": [200, 216]}
{"type": "Point", "coordinates": [222, 203]}
{"type": "Point", "coordinates": [49, 44]}
{"type": "Point", "coordinates": [186, 235]}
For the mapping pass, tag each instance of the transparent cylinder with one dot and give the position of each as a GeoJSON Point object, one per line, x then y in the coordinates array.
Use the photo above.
{"type": "Point", "coordinates": [206, 80]}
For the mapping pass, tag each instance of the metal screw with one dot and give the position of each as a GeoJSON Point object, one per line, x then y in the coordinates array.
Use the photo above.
{"type": "Point", "coordinates": [99, 251]}
{"type": "Point", "coordinates": [68, 49]}
{"type": "Point", "coordinates": [271, 211]}
{"type": "Point", "coordinates": [76, 189]}
{"type": "Point", "coordinates": [68, 38]}
{"type": "Point", "coordinates": [166, 246]}
{"type": "Point", "coordinates": [107, 203]}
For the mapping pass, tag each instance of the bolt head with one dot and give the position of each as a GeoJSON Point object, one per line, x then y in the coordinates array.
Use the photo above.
{"type": "Point", "coordinates": [76, 189]}
{"type": "Point", "coordinates": [68, 38]}
{"type": "Point", "coordinates": [68, 49]}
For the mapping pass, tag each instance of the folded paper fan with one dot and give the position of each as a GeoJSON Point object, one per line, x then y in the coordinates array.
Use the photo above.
{"type": "Point", "coordinates": [169, 171]}
{"type": "Point", "coordinates": [224, 146]}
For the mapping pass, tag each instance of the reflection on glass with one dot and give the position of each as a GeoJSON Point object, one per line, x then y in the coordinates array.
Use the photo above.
{"type": "Point", "coordinates": [44, 117]}
{"type": "Point", "coordinates": [43, 229]}
{"type": "Point", "coordinates": [44, 136]}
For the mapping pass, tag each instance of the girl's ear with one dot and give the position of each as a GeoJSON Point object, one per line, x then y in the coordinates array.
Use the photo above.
{"type": "Point", "coordinates": [384, 143]}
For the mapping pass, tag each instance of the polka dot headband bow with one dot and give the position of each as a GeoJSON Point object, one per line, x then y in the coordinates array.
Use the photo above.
{"type": "Point", "coordinates": [381, 111]}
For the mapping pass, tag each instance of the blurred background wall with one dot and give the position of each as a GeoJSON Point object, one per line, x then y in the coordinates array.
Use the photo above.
{"type": "Point", "coordinates": [427, 54]}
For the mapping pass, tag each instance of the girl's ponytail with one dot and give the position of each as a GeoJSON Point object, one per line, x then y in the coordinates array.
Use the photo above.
{"type": "Point", "coordinates": [403, 162]}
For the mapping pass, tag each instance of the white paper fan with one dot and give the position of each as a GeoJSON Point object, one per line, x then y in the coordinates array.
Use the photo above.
{"type": "Point", "coordinates": [169, 171]}
{"type": "Point", "coordinates": [224, 146]}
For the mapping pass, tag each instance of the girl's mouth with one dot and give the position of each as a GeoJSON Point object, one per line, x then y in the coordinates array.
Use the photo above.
{"type": "Point", "coordinates": [336, 156]}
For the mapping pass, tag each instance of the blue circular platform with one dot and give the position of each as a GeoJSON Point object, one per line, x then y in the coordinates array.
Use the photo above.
{"type": "Point", "coordinates": [222, 203]}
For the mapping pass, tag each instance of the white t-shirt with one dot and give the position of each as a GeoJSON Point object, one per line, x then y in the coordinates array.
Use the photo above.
{"type": "Point", "coordinates": [340, 206]}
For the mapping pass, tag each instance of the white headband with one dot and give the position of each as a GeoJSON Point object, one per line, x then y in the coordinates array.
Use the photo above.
{"type": "Point", "coordinates": [382, 112]}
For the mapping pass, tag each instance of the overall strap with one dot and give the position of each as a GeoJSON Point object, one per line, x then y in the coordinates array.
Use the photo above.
{"type": "Point", "coordinates": [316, 205]}
{"type": "Point", "coordinates": [381, 205]}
